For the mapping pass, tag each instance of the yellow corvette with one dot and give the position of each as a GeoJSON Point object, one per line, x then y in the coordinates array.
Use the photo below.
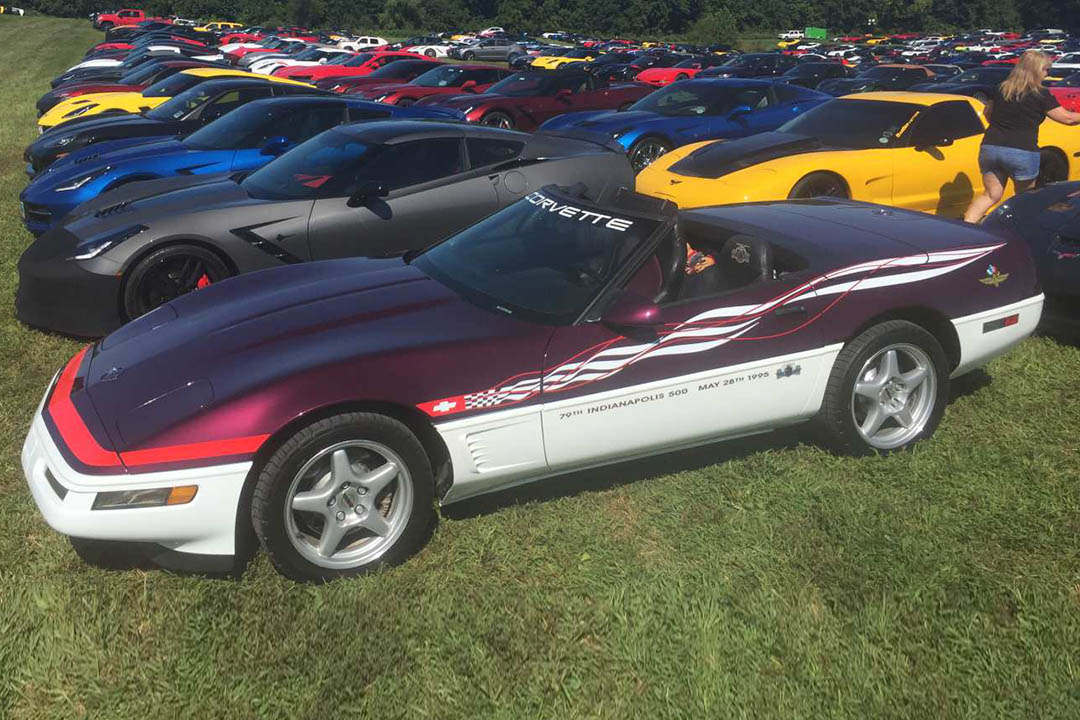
{"type": "Point", "coordinates": [136, 102]}
{"type": "Point", "coordinates": [876, 40]}
{"type": "Point", "coordinates": [918, 151]}
{"type": "Point", "coordinates": [552, 62]}
{"type": "Point", "coordinates": [785, 44]}
{"type": "Point", "coordinates": [217, 25]}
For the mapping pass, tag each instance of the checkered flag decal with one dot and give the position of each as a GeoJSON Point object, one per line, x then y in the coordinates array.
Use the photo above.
{"type": "Point", "coordinates": [486, 399]}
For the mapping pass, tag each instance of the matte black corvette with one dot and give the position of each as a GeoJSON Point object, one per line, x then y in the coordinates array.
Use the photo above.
{"type": "Point", "coordinates": [374, 189]}
{"type": "Point", "coordinates": [181, 115]}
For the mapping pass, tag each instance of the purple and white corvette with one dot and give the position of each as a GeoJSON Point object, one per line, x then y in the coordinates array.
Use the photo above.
{"type": "Point", "coordinates": [327, 405]}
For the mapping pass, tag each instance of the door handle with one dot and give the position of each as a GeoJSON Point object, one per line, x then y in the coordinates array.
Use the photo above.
{"type": "Point", "coordinates": [791, 310]}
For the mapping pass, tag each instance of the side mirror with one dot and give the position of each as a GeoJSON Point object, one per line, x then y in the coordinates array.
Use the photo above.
{"type": "Point", "coordinates": [739, 111]}
{"type": "Point", "coordinates": [563, 94]}
{"type": "Point", "coordinates": [367, 190]}
{"type": "Point", "coordinates": [275, 145]}
{"type": "Point", "coordinates": [468, 86]}
{"type": "Point", "coordinates": [631, 311]}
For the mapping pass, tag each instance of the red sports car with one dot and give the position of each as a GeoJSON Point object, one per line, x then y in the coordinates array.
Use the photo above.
{"type": "Point", "coordinates": [660, 76]}
{"type": "Point", "coordinates": [1067, 92]}
{"type": "Point", "coordinates": [443, 80]}
{"type": "Point", "coordinates": [525, 100]}
{"type": "Point", "coordinates": [362, 64]}
{"type": "Point", "coordinates": [401, 71]}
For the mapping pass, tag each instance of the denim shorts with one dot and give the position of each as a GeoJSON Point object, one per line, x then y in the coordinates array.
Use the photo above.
{"type": "Point", "coordinates": [1007, 162]}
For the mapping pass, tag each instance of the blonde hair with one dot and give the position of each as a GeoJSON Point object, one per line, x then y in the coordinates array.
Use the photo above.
{"type": "Point", "coordinates": [1026, 77]}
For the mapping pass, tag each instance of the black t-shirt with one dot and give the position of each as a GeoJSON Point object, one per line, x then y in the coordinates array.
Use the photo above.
{"type": "Point", "coordinates": [1015, 124]}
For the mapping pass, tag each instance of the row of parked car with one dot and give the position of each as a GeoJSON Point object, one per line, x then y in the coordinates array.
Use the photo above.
{"type": "Point", "coordinates": [492, 306]}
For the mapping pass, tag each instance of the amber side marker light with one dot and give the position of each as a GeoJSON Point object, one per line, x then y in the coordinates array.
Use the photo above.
{"type": "Point", "coordinates": [156, 497]}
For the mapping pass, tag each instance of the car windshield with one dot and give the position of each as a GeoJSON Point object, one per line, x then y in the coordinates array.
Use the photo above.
{"type": "Point", "coordinates": [985, 75]}
{"type": "Point", "coordinates": [135, 59]}
{"type": "Point", "coordinates": [172, 85]}
{"type": "Point", "coordinates": [242, 128]}
{"type": "Point", "coordinates": [614, 58]}
{"type": "Point", "coordinates": [357, 60]}
{"type": "Point", "coordinates": [746, 61]}
{"type": "Point", "coordinates": [807, 70]}
{"type": "Point", "coordinates": [140, 76]}
{"type": "Point", "coordinates": [854, 124]}
{"type": "Point", "coordinates": [442, 76]}
{"type": "Point", "coordinates": [543, 257]}
{"type": "Point", "coordinates": [179, 106]}
{"type": "Point", "coordinates": [699, 98]}
{"type": "Point", "coordinates": [527, 84]}
{"type": "Point", "coordinates": [580, 53]}
{"type": "Point", "coordinates": [320, 167]}
{"type": "Point", "coordinates": [309, 54]}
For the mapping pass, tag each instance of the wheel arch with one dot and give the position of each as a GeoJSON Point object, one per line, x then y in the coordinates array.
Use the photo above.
{"type": "Point", "coordinates": [1060, 154]}
{"type": "Point", "coordinates": [929, 319]}
{"type": "Point", "coordinates": [843, 180]}
{"type": "Point", "coordinates": [154, 246]}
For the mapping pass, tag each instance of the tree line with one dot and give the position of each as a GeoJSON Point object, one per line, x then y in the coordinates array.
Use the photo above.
{"type": "Point", "coordinates": [699, 20]}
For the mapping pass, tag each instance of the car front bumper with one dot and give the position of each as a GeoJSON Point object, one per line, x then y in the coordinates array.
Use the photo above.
{"type": "Point", "coordinates": [61, 295]}
{"type": "Point", "coordinates": [206, 526]}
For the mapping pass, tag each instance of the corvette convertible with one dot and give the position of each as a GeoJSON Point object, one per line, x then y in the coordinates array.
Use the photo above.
{"type": "Point", "coordinates": [182, 114]}
{"type": "Point", "coordinates": [241, 141]}
{"type": "Point", "coordinates": [343, 398]}
{"type": "Point", "coordinates": [374, 189]}
{"type": "Point", "coordinates": [912, 150]}
{"type": "Point", "coordinates": [443, 80]}
{"type": "Point", "coordinates": [693, 111]}
{"type": "Point", "coordinates": [1048, 219]}
{"type": "Point", "coordinates": [120, 103]}
{"type": "Point", "coordinates": [525, 100]}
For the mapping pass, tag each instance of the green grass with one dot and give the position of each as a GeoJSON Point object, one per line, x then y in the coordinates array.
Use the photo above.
{"type": "Point", "coordinates": [760, 578]}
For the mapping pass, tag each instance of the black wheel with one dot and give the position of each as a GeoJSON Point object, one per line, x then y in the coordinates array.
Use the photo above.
{"type": "Point", "coordinates": [405, 102]}
{"type": "Point", "coordinates": [469, 56]}
{"type": "Point", "coordinates": [344, 496]}
{"type": "Point", "coordinates": [819, 184]}
{"type": "Point", "coordinates": [168, 273]}
{"type": "Point", "coordinates": [1052, 168]}
{"type": "Point", "coordinates": [498, 119]}
{"type": "Point", "coordinates": [646, 151]}
{"type": "Point", "coordinates": [887, 390]}
{"type": "Point", "coordinates": [981, 96]}
{"type": "Point", "coordinates": [429, 52]}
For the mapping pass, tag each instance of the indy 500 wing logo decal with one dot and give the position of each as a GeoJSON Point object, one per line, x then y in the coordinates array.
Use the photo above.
{"type": "Point", "coordinates": [708, 330]}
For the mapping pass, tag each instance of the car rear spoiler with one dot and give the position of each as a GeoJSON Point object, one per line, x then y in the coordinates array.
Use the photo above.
{"type": "Point", "coordinates": [597, 138]}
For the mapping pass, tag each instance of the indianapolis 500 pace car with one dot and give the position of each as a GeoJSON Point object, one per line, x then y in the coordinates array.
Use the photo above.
{"type": "Point", "coordinates": [343, 397]}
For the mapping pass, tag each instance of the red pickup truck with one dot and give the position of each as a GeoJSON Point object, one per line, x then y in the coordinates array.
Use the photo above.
{"type": "Point", "coordinates": [127, 16]}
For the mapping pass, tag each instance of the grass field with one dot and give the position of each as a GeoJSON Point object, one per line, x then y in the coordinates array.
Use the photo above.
{"type": "Point", "coordinates": [758, 578]}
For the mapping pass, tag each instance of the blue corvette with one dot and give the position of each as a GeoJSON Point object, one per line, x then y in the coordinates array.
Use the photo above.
{"type": "Point", "coordinates": [243, 140]}
{"type": "Point", "coordinates": [692, 111]}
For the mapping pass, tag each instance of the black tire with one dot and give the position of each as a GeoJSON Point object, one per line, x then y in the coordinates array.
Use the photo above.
{"type": "Point", "coordinates": [430, 53]}
{"type": "Point", "coordinates": [1052, 168]}
{"type": "Point", "coordinates": [469, 56]}
{"type": "Point", "coordinates": [819, 184]}
{"type": "Point", "coordinates": [278, 475]}
{"type": "Point", "coordinates": [981, 96]}
{"type": "Point", "coordinates": [168, 273]}
{"type": "Point", "coordinates": [498, 119]}
{"type": "Point", "coordinates": [837, 418]}
{"type": "Point", "coordinates": [405, 102]}
{"type": "Point", "coordinates": [646, 151]}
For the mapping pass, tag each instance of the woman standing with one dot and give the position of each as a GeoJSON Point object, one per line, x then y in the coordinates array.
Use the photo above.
{"type": "Point", "coordinates": [1010, 148]}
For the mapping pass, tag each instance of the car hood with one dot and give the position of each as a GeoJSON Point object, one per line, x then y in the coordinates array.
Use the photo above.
{"type": "Point", "coordinates": [460, 102]}
{"type": "Point", "coordinates": [96, 157]}
{"type": "Point", "coordinates": [367, 326]}
{"type": "Point", "coordinates": [722, 158]}
{"type": "Point", "coordinates": [111, 126]}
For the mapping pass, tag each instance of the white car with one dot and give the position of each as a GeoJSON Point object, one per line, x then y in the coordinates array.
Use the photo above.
{"type": "Point", "coordinates": [434, 51]}
{"type": "Point", "coordinates": [113, 62]}
{"type": "Point", "coordinates": [792, 35]}
{"type": "Point", "coordinates": [239, 46]}
{"type": "Point", "coordinates": [361, 43]}
{"type": "Point", "coordinates": [488, 32]}
{"type": "Point", "coordinates": [305, 58]}
{"type": "Point", "coordinates": [808, 46]}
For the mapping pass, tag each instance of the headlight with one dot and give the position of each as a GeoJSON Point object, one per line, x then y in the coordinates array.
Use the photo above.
{"type": "Point", "coordinates": [95, 246]}
{"type": "Point", "coordinates": [79, 182]}
{"type": "Point", "coordinates": [81, 111]}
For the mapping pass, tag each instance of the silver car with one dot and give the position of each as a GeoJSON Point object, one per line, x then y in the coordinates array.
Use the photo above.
{"type": "Point", "coordinates": [498, 49]}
